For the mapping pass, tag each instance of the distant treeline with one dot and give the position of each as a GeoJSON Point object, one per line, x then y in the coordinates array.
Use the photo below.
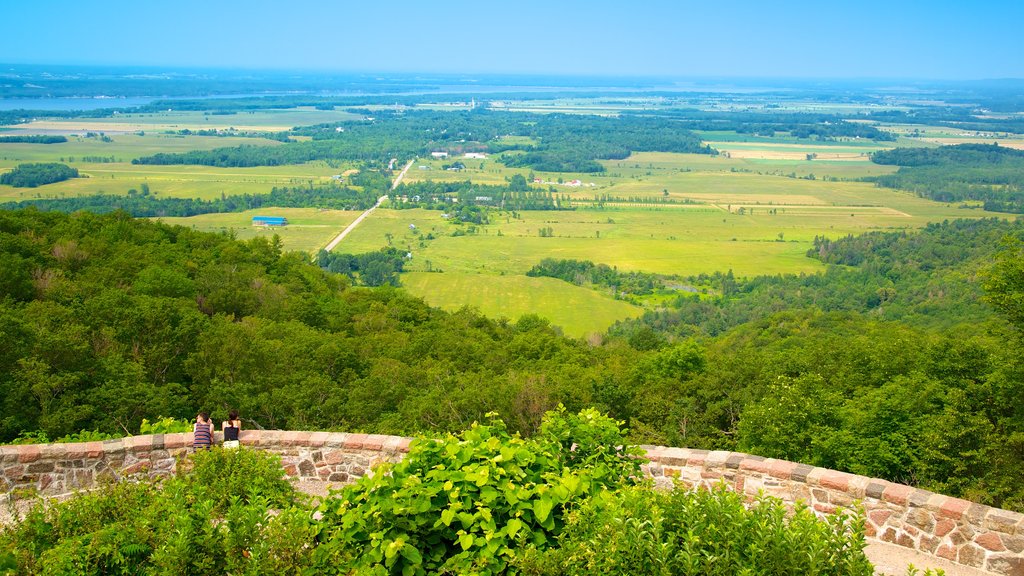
{"type": "Point", "coordinates": [147, 206]}
{"type": "Point", "coordinates": [40, 174]}
{"type": "Point", "coordinates": [923, 279]}
{"type": "Point", "coordinates": [369, 269]}
{"type": "Point", "coordinates": [799, 125]}
{"type": "Point", "coordinates": [584, 272]}
{"type": "Point", "coordinates": [959, 117]}
{"type": "Point", "coordinates": [453, 195]}
{"type": "Point", "coordinates": [986, 172]}
{"type": "Point", "coordinates": [32, 139]}
{"type": "Point", "coordinates": [566, 143]}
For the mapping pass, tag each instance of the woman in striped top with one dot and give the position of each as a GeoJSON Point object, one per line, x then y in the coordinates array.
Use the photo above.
{"type": "Point", "coordinates": [202, 432]}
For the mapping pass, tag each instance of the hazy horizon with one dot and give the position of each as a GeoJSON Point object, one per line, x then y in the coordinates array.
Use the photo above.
{"type": "Point", "coordinates": [872, 40]}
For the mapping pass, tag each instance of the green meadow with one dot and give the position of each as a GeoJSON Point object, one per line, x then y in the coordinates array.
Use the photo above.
{"type": "Point", "coordinates": [120, 176]}
{"type": "Point", "coordinates": [308, 229]}
{"type": "Point", "coordinates": [579, 311]}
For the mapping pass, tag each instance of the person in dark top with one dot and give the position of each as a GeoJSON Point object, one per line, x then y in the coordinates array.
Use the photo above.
{"type": "Point", "coordinates": [231, 427]}
{"type": "Point", "coordinates": [202, 437]}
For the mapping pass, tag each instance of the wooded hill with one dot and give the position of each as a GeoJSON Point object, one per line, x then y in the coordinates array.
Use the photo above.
{"type": "Point", "coordinates": [108, 320]}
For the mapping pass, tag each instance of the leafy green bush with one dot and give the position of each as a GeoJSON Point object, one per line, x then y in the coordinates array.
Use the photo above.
{"type": "Point", "coordinates": [641, 531]}
{"type": "Point", "coordinates": [465, 504]}
{"type": "Point", "coordinates": [231, 513]}
{"type": "Point", "coordinates": [165, 425]}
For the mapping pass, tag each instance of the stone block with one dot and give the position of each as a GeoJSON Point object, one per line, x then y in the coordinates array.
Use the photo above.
{"type": "Point", "coordinates": [355, 441]}
{"type": "Point", "coordinates": [990, 541]}
{"type": "Point", "coordinates": [40, 467]}
{"type": "Point", "coordinates": [734, 461]}
{"type": "Point", "coordinates": [674, 456]}
{"type": "Point", "coordinates": [28, 453]}
{"type": "Point", "coordinates": [1001, 521]}
{"type": "Point", "coordinates": [875, 488]}
{"type": "Point", "coordinates": [928, 543]}
{"type": "Point", "coordinates": [879, 517]}
{"type": "Point", "coordinates": [906, 540]}
{"type": "Point", "coordinates": [919, 498]}
{"type": "Point", "coordinates": [306, 468]}
{"type": "Point", "coordinates": [944, 526]}
{"type": "Point", "coordinates": [971, 555]}
{"type": "Point", "coordinates": [1014, 543]}
{"type": "Point", "coordinates": [1005, 565]}
{"type": "Point", "coordinates": [920, 518]}
{"type": "Point", "coordinates": [897, 494]}
{"type": "Point", "coordinates": [800, 472]}
{"type": "Point", "coordinates": [946, 551]}
{"type": "Point", "coordinates": [782, 469]}
{"type": "Point", "coordinates": [755, 464]}
{"type": "Point", "coordinates": [836, 480]}
{"type": "Point", "coordinates": [954, 508]}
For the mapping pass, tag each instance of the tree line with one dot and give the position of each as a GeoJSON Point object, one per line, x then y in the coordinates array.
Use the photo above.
{"type": "Point", "coordinates": [988, 173]}
{"type": "Point", "coordinates": [38, 174]}
{"type": "Point", "coordinates": [146, 205]}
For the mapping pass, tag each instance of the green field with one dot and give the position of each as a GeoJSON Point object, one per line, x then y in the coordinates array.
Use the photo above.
{"type": "Point", "coordinates": [579, 311]}
{"type": "Point", "coordinates": [118, 177]}
{"type": "Point", "coordinates": [735, 220]}
{"type": "Point", "coordinates": [308, 229]}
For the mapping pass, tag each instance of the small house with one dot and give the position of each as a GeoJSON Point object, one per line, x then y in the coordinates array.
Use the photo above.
{"type": "Point", "coordinates": [439, 154]}
{"type": "Point", "coordinates": [269, 221]}
{"type": "Point", "coordinates": [476, 155]}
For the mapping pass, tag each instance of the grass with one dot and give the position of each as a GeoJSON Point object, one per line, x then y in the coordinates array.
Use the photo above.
{"type": "Point", "coordinates": [579, 311]}
{"type": "Point", "coordinates": [308, 230]}
{"type": "Point", "coordinates": [118, 177]}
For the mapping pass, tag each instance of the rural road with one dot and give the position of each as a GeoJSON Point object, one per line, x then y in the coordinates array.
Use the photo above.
{"type": "Point", "coordinates": [337, 239]}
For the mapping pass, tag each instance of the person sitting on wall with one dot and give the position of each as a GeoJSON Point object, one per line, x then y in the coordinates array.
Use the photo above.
{"type": "Point", "coordinates": [202, 432]}
{"type": "Point", "coordinates": [231, 427]}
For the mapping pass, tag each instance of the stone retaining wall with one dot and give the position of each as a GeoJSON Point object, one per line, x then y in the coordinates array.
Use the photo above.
{"type": "Point", "coordinates": [957, 530]}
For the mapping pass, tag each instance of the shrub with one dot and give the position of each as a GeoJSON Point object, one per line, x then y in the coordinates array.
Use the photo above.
{"type": "Point", "coordinates": [231, 512]}
{"type": "Point", "coordinates": [465, 504]}
{"type": "Point", "coordinates": [640, 531]}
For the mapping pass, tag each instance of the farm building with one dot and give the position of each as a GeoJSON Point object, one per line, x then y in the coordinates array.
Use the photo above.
{"type": "Point", "coordinates": [269, 221]}
{"type": "Point", "coordinates": [476, 155]}
{"type": "Point", "coordinates": [439, 154]}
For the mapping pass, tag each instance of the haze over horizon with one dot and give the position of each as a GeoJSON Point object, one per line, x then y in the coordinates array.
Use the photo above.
{"type": "Point", "coordinates": [944, 40]}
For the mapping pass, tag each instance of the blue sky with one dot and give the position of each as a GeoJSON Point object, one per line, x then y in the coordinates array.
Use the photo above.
{"type": "Point", "coordinates": [936, 39]}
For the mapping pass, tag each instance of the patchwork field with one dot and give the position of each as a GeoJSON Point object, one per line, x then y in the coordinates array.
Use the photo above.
{"type": "Point", "coordinates": [719, 218]}
{"type": "Point", "coordinates": [118, 175]}
{"type": "Point", "coordinates": [308, 229]}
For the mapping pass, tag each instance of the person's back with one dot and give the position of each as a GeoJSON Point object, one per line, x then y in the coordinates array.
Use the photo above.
{"type": "Point", "coordinates": [202, 436]}
{"type": "Point", "coordinates": [231, 427]}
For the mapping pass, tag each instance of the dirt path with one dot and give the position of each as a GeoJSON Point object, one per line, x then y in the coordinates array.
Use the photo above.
{"type": "Point", "coordinates": [337, 239]}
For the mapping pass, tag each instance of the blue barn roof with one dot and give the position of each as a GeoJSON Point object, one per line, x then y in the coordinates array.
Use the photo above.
{"type": "Point", "coordinates": [270, 220]}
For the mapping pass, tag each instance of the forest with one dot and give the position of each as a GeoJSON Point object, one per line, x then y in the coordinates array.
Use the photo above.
{"type": "Point", "coordinates": [585, 272]}
{"type": "Point", "coordinates": [566, 142]}
{"type": "Point", "coordinates": [988, 173]}
{"type": "Point", "coordinates": [144, 204]}
{"type": "Point", "coordinates": [111, 320]}
{"type": "Point", "coordinates": [38, 174]}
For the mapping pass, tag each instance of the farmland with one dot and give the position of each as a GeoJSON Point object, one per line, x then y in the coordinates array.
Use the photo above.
{"type": "Point", "coordinates": [308, 229]}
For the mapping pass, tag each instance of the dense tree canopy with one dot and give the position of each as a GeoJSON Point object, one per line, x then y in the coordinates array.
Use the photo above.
{"type": "Point", "coordinates": [38, 174]}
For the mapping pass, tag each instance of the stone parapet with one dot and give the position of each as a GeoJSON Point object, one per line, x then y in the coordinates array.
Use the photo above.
{"type": "Point", "coordinates": [957, 530]}
{"type": "Point", "coordinates": [951, 528]}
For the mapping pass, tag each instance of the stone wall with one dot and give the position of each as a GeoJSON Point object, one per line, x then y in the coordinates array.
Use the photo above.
{"type": "Point", "coordinates": [950, 528]}
{"type": "Point", "coordinates": [957, 530]}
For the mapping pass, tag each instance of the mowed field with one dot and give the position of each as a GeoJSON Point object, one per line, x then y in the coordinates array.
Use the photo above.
{"type": "Point", "coordinates": [120, 175]}
{"type": "Point", "coordinates": [308, 229]}
{"type": "Point", "coordinates": [579, 311]}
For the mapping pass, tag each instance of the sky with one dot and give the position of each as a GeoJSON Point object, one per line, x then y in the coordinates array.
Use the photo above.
{"type": "Point", "coordinates": [933, 39]}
